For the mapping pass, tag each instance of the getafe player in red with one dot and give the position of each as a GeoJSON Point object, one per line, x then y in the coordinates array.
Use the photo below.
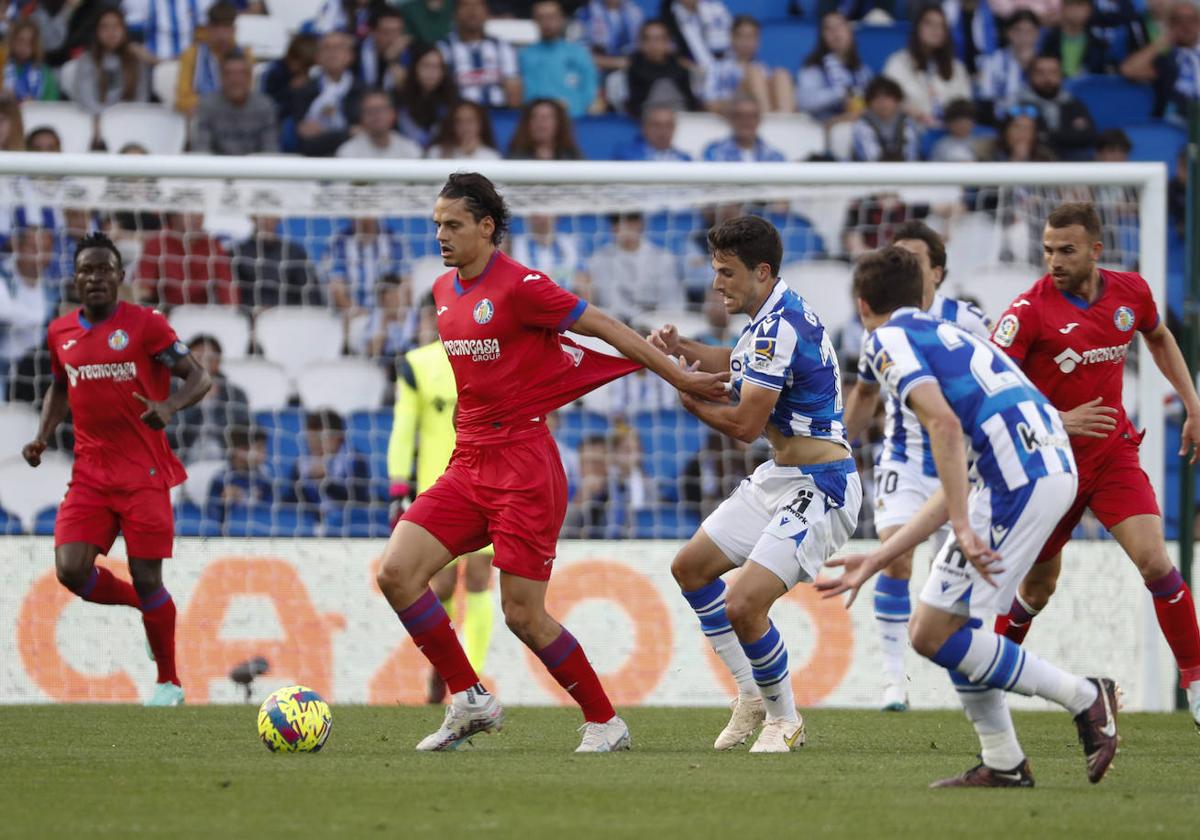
{"type": "Point", "coordinates": [1070, 333]}
{"type": "Point", "coordinates": [112, 365]}
{"type": "Point", "coordinates": [500, 323]}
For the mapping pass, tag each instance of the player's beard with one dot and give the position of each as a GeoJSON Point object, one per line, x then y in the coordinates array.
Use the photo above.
{"type": "Point", "coordinates": [1073, 283]}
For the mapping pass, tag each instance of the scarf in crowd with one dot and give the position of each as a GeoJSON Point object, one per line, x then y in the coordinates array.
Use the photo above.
{"type": "Point", "coordinates": [327, 107]}
{"type": "Point", "coordinates": [24, 81]}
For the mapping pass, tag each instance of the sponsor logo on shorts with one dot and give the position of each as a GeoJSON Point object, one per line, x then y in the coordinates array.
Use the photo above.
{"type": "Point", "coordinates": [1069, 359]}
{"type": "Point", "coordinates": [479, 349]}
{"type": "Point", "coordinates": [117, 372]}
{"type": "Point", "coordinates": [1006, 331]}
{"type": "Point", "coordinates": [1123, 318]}
{"type": "Point", "coordinates": [483, 311]}
{"type": "Point", "coordinates": [118, 339]}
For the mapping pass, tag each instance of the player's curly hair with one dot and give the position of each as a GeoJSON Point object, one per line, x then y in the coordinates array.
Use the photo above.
{"type": "Point", "coordinates": [96, 239]}
{"type": "Point", "coordinates": [482, 200]}
{"type": "Point", "coordinates": [888, 279]}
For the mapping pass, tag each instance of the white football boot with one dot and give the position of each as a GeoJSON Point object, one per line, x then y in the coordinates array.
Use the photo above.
{"type": "Point", "coordinates": [894, 698]}
{"type": "Point", "coordinates": [465, 718]}
{"type": "Point", "coordinates": [748, 715]}
{"type": "Point", "coordinates": [604, 737]}
{"type": "Point", "coordinates": [780, 736]}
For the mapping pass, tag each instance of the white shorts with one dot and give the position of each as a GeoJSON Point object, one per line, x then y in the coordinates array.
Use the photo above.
{"type": "Point", "coordinates": [900, 490]}
{"type": "Point", "coordinates": [1016, 525]}
{"type": "Point", "coordinates": [789, 520]}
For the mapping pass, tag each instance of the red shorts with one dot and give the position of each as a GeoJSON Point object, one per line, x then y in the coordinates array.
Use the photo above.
{"type": "Point", "coordinates": [1113, 486]}
{"type": "Point", "coordinates": [95, 515]}
{"type": "Point", "coordinates": [511, 494]}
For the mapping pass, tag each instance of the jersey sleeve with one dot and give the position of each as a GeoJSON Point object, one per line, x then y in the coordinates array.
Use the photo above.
{"type": "Point", "coordinates": [159, 339]}
{"type": "Point", "coordinates": [1017, 329]}
{"type": "Point", "coordinates": [897, 363]}
{"type": "Point", "coordinates": [1148, 317]}
{"type": "Point", "coordinates": [543, 303]}
{"type": "Point", "coordinates": [865, 372]}
{"type": "Point", "coordinates": [56, 365]}
{"type": "Point", "coordinates": [771, 352]}
{"type": "Point", "coordinates": [972, 319]}
{"type": "Point", "coordinates": [403, 440]}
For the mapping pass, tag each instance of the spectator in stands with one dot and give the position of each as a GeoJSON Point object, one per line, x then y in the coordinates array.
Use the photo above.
{"type": "Point", "coordinates": [743, 144]}
{"type": "Point", "coordinates": [235, 120]}
{"type": "Point", "coordinates": [376, 136]}
{"type": "Point", "coordinates": [465, 134]}
{"type": "Point", "coordinates": [25, 299]}
{"type": "Point", "coordinates": [833, 79]}
{"type": "Point", "coordinates": [1075, 41]}
{"type": "Point", "coordinates": [695, 257]}
{"type": "Point", "coordinates": [630, 275]}
{"type": "Point", "coordinates": [200, 65]}
{"type": "Point", "coordinates": [700, 29]}
{"type": "Point", "coordinates": [199, 433]}
{"type": "Point", "coordinates": [740, 72]}
{"type": "Point", "coordinates": [927, 70]}
{"type": "Point", "coordinates": [1113, 146]}
{"type": "Point", "coordinates": [1047, 10]}
{"type": "Point", "coordinates": [130, 226]}
{"type": "Point", "coordinates": [328, 474]}
{"type": "Point", "coordinates": [26, 75]}
{"type": "Point", "coordinates": [182, 263]}
{"type": "Point", "coordinates": [166, 27]}
{"type": "Point", "coordinates": [555, 254]}
{"type": "Point", "coordinates": [246, 478]}
{"type": "Point", "coordinates": [544, 132]}
{"type": "Point", "coordinates": [350, 16]}
{"type": "Point", "coordinates": [1019, 138]}
{"type": "Point", "coordinates": [111, 71]}
{"type": "Point", "coordinates": [714, 473]}
{"type": "Point", "coordinates": [326, 108]}
{"type": "Point", "coordinates": [383, 54]}
{"type": "Point", "coordinates": [1067, 123]}
{"type": "Point", "coordinates": [1117, 206]}
{"type": "Point", "coordinates": [52, 19]}
{"type": "Point", "coordinates": [1003, 74]}
{"type": "Point", "coordinates": [427, 95]}
{"type": "Point", "coordinates": [587, 514]}
{"type": "Point", "coordinates": [871, 221]}
{"type": "Point", "coordinates": [610, 30]}
{"type": "Point", "coordinates": [656, 140]}
{"type": "Point", "coordinates": [360, 257]}
{"type": "Point", "coordinates": [555, 68]}
{"type": "Point", "coordinates": [959, 145]}
{"type": "Point", "coordinates": [884, 132]}
{"type": "Point", "coordinates": [429, 21]}
{"type": "Point", "coordinates": [656, 75]}
{"type": "Point", "coordinates": [1170, 63]}
{"type": "Point", "coordinates": [12, 126]}
{"type": "Point", "coordinates": [716, 331]}
{"type": "Point", "coordinates": [286, 76]}
{"type": "Point", "coordinates": [973, 29]}
{"type": "Point", "coordinates": [43, 139]}
{"type": "Point", "coordinates": [485, 68]}
{"type": "Point", "coordinates": [271, 270]}
{"type": "Point", "coordinates": [391, 326]}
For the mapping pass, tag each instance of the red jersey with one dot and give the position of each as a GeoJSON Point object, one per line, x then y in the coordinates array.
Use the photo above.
{"type": "Point", "coordinates": [1074, 352]}
{"type": "Point", "coordinates": [511, 366]}
{"type": "Point", "coordinates": [103, 365]}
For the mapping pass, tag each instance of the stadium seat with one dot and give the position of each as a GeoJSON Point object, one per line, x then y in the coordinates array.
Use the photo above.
{"type": "Point", "coordinates": [345, 385]}
{"type": "Point", "coordinates": [295, 337]}
{"type": "Point", "coordinates": [230, 327]}
{"type": "Point", "coordinates": [877, 43]}
{"type": "Point", "coordinates": [796, 135]}
{"type": "Point", "coordinates": [841, 140]}
{"type": "Point", "coordinates": [68, 78]}
{"type": "Point", "coordinates": [25, 492]}
{"type": "Point", "coordinates": [1158, 141]}
{"type": "Point", "coordinates": [598, 136]}
{"type": "Point", "coordinates": [72, 124]}
{"type": "Point", "coordinates": [43, 522]}
{"type": "Point", "coordinates": [199, 476]}
{"type": "Point", "coordinates": [18, 423]}
{"type": "Point", "coordinates": [1113, 102]}
{"type": "Point", "coordinates": [996, 286]}
{"type": "Point", "coordinates": [424, 271]}
{"type": "Point", "coordinates": [158, 128]}
{"type": "Point", "coordinates": [576, 425]}
{"type": "Point", "coordinates": [696, 129]}
{"type": "Point", "coordinates": [786, 43]}
{"type": "Point", "coordinates": [265, 35]}
{"type": "Point", "coordinates": [825, 284]}
{"type": "Point", "coordinates": [265, 383]}
{"type": "Point", "coordinates": [516, 31]}
{"type": "Point", "coordinates": [188, 519]}
{"type": "Point", "coordinates": [293, 14]}
{"type": "Point", "coordinates": [761, 10]}
{"type": "Point", "coordinates": [163, 80]}
{"type": "Point", "coordinates": [504, 126]}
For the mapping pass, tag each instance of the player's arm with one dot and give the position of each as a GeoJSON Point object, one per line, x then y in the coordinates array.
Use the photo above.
{"type": "Point", "coordinates": [1170, 361]}
{"type": "Point", "coordinates": [54, 411]}
{"type": "Point", "coordinates": [860, 407]}
{"type": "Point", "coordinates": [711, 358]}
{"type": "Point", "coordinates": [595, 322]}
{"type": "Point", "coordinates": [744, 421]}
{"type": "Point", "coordinates": [196, 383]}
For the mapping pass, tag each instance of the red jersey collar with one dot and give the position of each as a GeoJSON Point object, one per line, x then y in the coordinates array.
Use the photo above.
{"type": "Point", "coordinates": [458, 287]}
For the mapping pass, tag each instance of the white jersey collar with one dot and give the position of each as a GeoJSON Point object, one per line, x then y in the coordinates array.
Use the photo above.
{"type": "Point", "coordinates": [772, 299]}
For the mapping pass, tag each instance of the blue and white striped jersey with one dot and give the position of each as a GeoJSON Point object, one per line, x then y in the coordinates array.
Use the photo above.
{"type": "Point", "coordinates": [786, 348]}
{"type": "Point", "coordinates": [904, 439]}
{"type": "Point", "coordinates": [1015, 434]}
{"type": "Point", "coordinates": [481, 68]}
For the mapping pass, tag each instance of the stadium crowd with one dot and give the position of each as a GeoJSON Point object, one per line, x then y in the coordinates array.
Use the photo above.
{"type": "Point", "coordinates": [960, 80]}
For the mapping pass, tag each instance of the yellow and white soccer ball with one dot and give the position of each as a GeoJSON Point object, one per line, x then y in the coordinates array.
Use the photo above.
{"type": "Point", "coordinates": [294, 719]}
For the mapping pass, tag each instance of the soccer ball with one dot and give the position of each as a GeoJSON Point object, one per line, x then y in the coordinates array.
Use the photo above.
{"type": "Point", "coordinates": [294, 719]}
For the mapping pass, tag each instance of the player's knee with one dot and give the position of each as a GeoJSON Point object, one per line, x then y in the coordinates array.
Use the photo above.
{"type": "Point", "coordinates": [923, 639]}
{"type": "Point", "coordinates": [147, 579]}
{"type": "Point", "coordinates": [745, 616]}
{"type": "Point", "coordinates": [521, 619]}
{"type": "Point", "coordinates": [392, 581]}
{"type": "Point", "coordinates": [1153, 564]}
{"type": "Point", "coordinates": [1036, 592]}
{"type": "Point", "coordinates": [687, 572]}
{"type": "Point", "coordinates": [71, 575]}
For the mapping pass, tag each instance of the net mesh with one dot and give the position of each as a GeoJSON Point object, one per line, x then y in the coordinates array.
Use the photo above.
{"type": "Point", "coordinates": [313, 292]}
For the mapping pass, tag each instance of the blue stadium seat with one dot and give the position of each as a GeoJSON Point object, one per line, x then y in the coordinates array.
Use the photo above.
{"type": "Point", "coordinates": [314, 233]}
{"type": "Point", "coordinates": [576, 424]}
{"type": "Point", "coordinates": [356, 521]}
{"type": "Point", "coordinates": [1156, 141]}
{"type": "Point", "coordinates": [664, 522]}
{"type": "Point", "coordinates": [670, 438]}
{"type": "Point", "coordinates": [284, 429]}
{"type": "Point", "coordinates": [877, 43]}
{"type": "Point", "coordinates": [417, 235]}
{"type": "Point", "coordinates": [10, 526]}
{"type": "Point", "coordinates": [43, 525]}
{"type": "Point", "coordinates": [1113, 102]}
{"type": "Point", "coordinates": [188, 519]}
{"type": "Point", "coordinates": [761, 10]}
{"type": "Point", "coordinates": [504, 125]}
{"type": "Point", "coordinates": [598, 136]}
{"type": "Point", "coordinates": [368, 433]}
{"type": "Point", "coordinates": [786, 43]}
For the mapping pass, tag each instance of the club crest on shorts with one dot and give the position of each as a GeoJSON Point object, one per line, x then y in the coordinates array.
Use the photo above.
{"type": "Point", "coordinates": [118, 339]}
{"type": "Point", "coordinates": [1123, 318]}
{"type": "Point", "coordinates": [483, 311]}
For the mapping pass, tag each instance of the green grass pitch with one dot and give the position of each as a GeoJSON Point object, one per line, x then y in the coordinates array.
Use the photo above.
{"type": "Point", "coordinates": [104, 771]}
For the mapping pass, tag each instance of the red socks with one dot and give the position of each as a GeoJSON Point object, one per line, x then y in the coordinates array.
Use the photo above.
{"type": "Point", "coordinates": [103, 587]}
{"type": "Point", "coordinates": [158, 617]}
{"type": "Point", "coordinates": [426, 621]}
{"type": "Point", "coordinates": [1177, 618]}
{"type": "Point", "coordinates": [566, 662]}
{"type": "Point", "coordinates": [1015, 625]}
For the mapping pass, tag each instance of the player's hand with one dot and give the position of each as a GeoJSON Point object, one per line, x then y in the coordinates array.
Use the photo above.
{"type": "Point", "coordinates": [666, 339]}
{"type": "Point", "coordinates": [400, 496]}
{"type": "Point", "coordinates": [157, 414]}
{"type": "Point", "coordinates": [1090, 420]}
{"type": "Point", "coordinates": [859, 568]}
{"type": "Point", "coordinates": [713, 387]}
{"type": "Point", "coordinates": [1189, 439]}
{"type": "Point", "coordinates": [984, 559]}
{"type": "Point", "coordinates": [32, 452]}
